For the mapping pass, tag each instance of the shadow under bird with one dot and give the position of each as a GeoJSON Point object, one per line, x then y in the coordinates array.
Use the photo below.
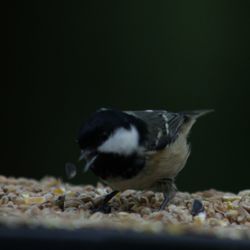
{"type": "Point", "coordinates": [142, 150]}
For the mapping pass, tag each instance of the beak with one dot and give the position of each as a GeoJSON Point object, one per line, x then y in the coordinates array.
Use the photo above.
{"type": "Point", "coordinates": [83, 155]}
{"type": "Point", "coordinates": [89, 163]}
{"type": "Point", "coordinates": [89, 157]}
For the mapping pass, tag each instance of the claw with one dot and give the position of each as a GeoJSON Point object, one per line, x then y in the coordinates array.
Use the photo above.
{"type": "Point", "coordinates": [164, 203]}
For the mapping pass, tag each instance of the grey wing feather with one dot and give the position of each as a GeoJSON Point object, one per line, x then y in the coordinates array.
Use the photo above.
{"type": "Point", "coordinates": [163, 127]}
{"type": "Point", "coordinates": [173, 124]}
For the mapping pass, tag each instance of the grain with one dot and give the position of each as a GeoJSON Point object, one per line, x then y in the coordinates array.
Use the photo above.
{"type": "Point", "coordinates": [53, 204]}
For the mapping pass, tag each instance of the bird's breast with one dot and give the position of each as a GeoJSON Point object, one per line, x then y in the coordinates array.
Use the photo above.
{"type": "Point", "coordinates": [109, 166]}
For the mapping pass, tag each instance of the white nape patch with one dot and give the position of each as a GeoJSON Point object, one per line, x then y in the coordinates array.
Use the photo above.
{"type": "Point", "coordinates": [166, 123]}
{"type": "Point", "coordinates": [149, 110]}
{"type": "Point", "coordinates": [122, 141]}
{"type": "Point", "coordinates": [159, 135]}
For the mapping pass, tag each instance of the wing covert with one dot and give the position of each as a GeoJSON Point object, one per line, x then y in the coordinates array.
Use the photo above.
{"type": "Point", "coordinates": [163, 127]}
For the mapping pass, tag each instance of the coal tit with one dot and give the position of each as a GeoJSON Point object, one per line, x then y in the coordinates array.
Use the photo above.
{"type": "Point", "coordinates": [142, 150]}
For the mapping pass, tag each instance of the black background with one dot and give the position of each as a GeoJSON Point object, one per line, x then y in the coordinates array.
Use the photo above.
{"type": "Point", "coordinates": [68, 58]}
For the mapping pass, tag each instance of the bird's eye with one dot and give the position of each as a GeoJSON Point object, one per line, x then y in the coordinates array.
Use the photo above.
{"type": "Point", "coordinates": [104, 135]}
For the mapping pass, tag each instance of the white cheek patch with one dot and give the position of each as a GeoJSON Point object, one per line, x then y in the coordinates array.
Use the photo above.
{"type": "Point", "coordinates": [122, 141]}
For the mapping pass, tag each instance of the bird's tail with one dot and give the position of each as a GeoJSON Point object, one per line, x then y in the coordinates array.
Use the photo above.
{"type": "Point", "coordinates": [197, 113]}
{"type": "Point", "coordinates": [190, 118]}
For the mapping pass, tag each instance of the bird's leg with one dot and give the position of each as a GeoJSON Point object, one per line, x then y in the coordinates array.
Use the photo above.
{"type": "Point", "coordinates": [165, 202]}
{"type": "Point", "coordinates": [168, 185]}
{"type": "Point", "coordinates": [103, 206]}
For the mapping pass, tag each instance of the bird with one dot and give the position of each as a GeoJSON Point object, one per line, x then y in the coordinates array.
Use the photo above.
{"type": "Point", "coordinates": [141, 150]}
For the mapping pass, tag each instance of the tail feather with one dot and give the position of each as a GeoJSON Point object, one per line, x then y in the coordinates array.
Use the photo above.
{"type": "Point", "coordinates": [190, 118]}
{"type": "Point", "coordinates": [197, 113]}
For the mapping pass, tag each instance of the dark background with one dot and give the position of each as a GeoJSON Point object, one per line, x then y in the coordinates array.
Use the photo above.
{"type": "Point", "coordinates": [68, 58]}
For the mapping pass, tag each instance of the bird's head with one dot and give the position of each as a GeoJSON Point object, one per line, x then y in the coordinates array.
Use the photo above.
{"type": "Point", "coordinates": [109, 132]}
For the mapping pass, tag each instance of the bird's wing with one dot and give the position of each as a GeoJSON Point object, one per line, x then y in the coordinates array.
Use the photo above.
{"type": "Point", "coordinates": [163, 127]}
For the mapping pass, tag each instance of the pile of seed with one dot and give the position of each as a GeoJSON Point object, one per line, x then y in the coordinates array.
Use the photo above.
{"type": "Point", "coordinates": [54, 204]}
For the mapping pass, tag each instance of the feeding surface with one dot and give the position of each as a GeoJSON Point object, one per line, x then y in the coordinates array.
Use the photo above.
{"type": "Point", "coordinates": [53, 204]}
